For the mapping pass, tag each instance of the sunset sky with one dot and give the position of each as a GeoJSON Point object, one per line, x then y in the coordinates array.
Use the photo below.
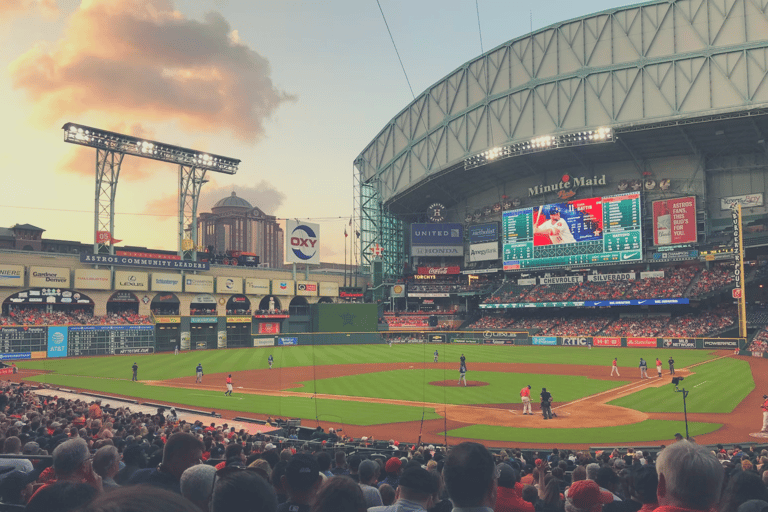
{"type": "Point", "coordinates": [293, 89]}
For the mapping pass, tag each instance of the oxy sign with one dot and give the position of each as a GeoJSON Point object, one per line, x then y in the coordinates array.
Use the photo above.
{"type": "Point", "coordinates": [302, 243]}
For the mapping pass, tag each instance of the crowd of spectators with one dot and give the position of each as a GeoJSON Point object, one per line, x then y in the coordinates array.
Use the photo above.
{"type": "Point", "coordinates": [115, 460]}
{"type": "Point", "coordinates": [69, 316]}
{"type": "Point", "coordinates": [672, 285]}
{"type": "Point", "coordinates": [578, 325]}
{"type": "Point", "coordinates": [760, 342]}
{"type": "Point", "coordinates": [712, 279]}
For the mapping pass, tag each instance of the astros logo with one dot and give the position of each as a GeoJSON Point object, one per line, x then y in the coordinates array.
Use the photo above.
{"type": "Point", "coordinates": [303, 242]}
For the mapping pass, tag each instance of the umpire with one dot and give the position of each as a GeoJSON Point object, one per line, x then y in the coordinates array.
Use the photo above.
{"type": "Point", "coordinates": [546, 404]}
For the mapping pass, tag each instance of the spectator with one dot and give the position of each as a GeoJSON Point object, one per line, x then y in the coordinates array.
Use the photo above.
{"type": "Point", "coordinates": [16, 487]}
{"type": "Point", "coordinates": [106, 464]}
{"type": "Point", "coordinates": [197, 484]}
{"type": "Point", "coordinates": [339, 494]}
{"type": "Point", "coordinates": [392, 467]}
{"type": "Point", "coordinates": [742, 486]}
{"type": "Point", "coordinates": [354, 467]}
{"type": "Point", "coordinates": [63, 496]}
{"type": "Point", "coordinates": [181, 452]}
{"type": "Point", "coordinates": [690, 478]}
{"type": "Point", "coordinates": [239, 490]}
{"type": "Point", "coordinates": [414, 492]}
{"type": "Point", "coordinates": [301, 481]}
{"type": "Point", "coordinates": [470, 477]}
{"type": "Point", "coordinates": [509, 494]}
{"type": "Point", "coordinates": [369, 473]}
{"type": "Point", "coordinates": [341, 464]}
{"type": "Point", "coordinates": [387, 494]}
{"type": "Point", "coordinates": [12, 446]}
{"type": "Point", "coordinates": [143, 498]}
{"type": "Point", "coordinates": [72, 463]}
{"type": "Point", "coordinates": [585, 495]}
{"type": "Point", "coordinates": [134, 460]}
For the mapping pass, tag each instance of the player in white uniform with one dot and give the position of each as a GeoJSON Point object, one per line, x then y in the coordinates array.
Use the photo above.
{"type": "Point", "coordinates": [556, 228]}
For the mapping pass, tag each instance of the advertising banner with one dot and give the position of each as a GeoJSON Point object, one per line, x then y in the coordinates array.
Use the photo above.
{"type": "Point", "coordinates": [203, 320]}
{"type": "Point", "coordinates": [435, 250]}
{"type": "Point", "coordinates": [198, 284]}
{"type": "Point", "coordinates": [530, 281]}
{"type": "Point", "coordinates": [48, 277]}
{"type": "Point", "coordinates": [283, 286]}
{"type": "Point", "coordinates": [575, 341]}
{"type": "Point", "coordinates": [438, 271]}
{"type": "Point", "coordinates": [306, 288]}
{"type": "Point", "coordinates": [437, 234]}
{"type": "Point", "coordinates": [15, 355]}
{"type": "Point", "coordinates": [134, 351]}
{"type": "Point", "coordinates": [256, 286]}
{"type": "Point", "coordinates": [398, 290]}
{"type": "Point", "coordinates": [437, 338]}
{"type": "Point", "coordinates": [57, 341]}
{"type": "Point", "coordinates": [480, 233]}
{"type": "Point", "coordinates": [678, 343]}
{"type": "Point", "coordinates": [652, 274]}
{"type": "Point", "coordinates": [93, 279]}
{"type": "Point", "coordinates": [168, 319]}
{"type": "Point", "coordinates": [601, 341]}
{"type": "Point", "coordinates": [599, 278]}
{"type": "Point", "coordinates": [269, 328]}
{"type": "Point", "coordinates": [463, 340]}
{"type": "Point", "coordinates": [239, 319]}
{"type": "Point", "coordinates": [746, 201]}
{"type": "Point", "coordinates": [229, 285]}
{"type": "Point", "coordinates": [720, 343]}
{"type": "Point", "coordinates": [544, 340]}
{"type": "Point", "coordinates": [126, 280]}
{"type": "Point", "coordinates": [585, 303]}
{"type": "Point", "coordinates": [166, 282]}
{"type": "Point", "coordinates": [11, 276]}
{"type": "Point", "coordinates": [674, 221]}
{"type": "Point", "coordinates": [496, 341]}
{"type": "Point", "coordinates": [130, 261]}
{"type": "Point", "coordinates": [641, 342]}
{"type": "Point", "coordinates": [484, 252]}
{"type": "Point", "coordinates": [263, 342]}
{"type": "Point", "coordinates": [302, 242]}
{"type": "Point", "coordinates": [328, 289]}
{"type": "Point", "coordinates": [677, 255]}
{"type": "Point", "coordinates": [284, 340]}
{"type": "Point", "coordinates": [561, 280]}
{"type": "Point", "coordinates": [6, 371]}
{"type": "Point", "coordinates": [203, 299]}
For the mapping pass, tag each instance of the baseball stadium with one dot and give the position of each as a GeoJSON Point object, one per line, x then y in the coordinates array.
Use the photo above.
{"type": "Point", "coordinates": [579, 211]}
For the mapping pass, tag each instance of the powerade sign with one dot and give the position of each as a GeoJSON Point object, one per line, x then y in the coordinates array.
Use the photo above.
{"type": "Point", "coordinates": [302, 242]}
{"type": "Point", "coordinates": [283, 340]}
{"type": "Point", "coordinates": [483, 233]}
{"type": "Point", "coordinates": [57, 341]}
{"type": "Point", "coordinates": [544, 340]}
{"type": "Point", "coordinates": [437, 234]}
{"type": "Point", "coordinates": [715, 343]}
{"type": "Point", "coordinates": [15, 355]}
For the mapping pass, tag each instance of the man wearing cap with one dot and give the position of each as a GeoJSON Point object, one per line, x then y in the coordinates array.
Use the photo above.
{"type": "Point", "coordinates": [556, 228]}
{"type": "Point", "coordinates": [585, 495]}
{"type": "Point", "coordinates": [643, 369]}
{"type": "Point", "coordinates": [546, 404]}
{"type": "Point", "coordinates": [197, 484]}
{"type": "Point", "coordinates": [525, 395]}
{"type": "Point", "coordinates": [764, 407]}
{"type": "Point", "coordinates": [199, 374]}
{"type": "Point", "coordinates": [690, 478]}
{"type": "Point", "coordinates": [301, 481]}
{"type": "Point", "coordinates": [135, 369]}
{"type": "Point", "coordinates": [369, 472]}
{"type": "Point", "coordinates": [228, 392]}
{"type": "Point", "coordinates": [392, 467]}
{"type": "Point", "coordinates": [414, 494]}
{"type": "Point", "coordinates": [509, 497]}
{"type": "Point", "coordinates": [470, 477]}
{"type": "Point", "coordinates": [615, 368]}
{"type": "Point", "coordinates": [16, 487]}
{"type": "Point", "coordinates": [671, 365]}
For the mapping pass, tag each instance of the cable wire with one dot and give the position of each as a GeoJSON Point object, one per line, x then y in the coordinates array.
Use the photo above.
{"type": "Point", "coordinates": [395, 46]}
{"type": "Point", "coordinates": [479, 30]}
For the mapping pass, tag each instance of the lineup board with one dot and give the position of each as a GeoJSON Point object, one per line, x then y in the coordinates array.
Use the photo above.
{"type": "Point", "coordinates": [23, 339]}
{"type": "Point", "coordinates": [579, 232]}
{"type": "Point", "coordinates": [93, 340]}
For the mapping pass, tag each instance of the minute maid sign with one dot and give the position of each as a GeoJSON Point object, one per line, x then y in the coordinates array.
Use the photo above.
{"type": "Point", "coordinates": [567, 183]}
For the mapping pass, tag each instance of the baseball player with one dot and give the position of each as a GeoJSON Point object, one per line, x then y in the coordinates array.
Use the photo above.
{"type": "Point", "coordinates": [270, 360]}
{"type": "Point", "coordinates": [229, 386]}
{"type": "Point", "coordinates": [643, 369]}
{"type": "Point", "coordinates": [615, 368]}
{"type": "Point", "coordinates": [525, 395]}
{"type": "Point", "coordinates": [764, 407]}
{"type": "Point", "coordinates": [436, 355]}
{"type": "Point", "coordinates": [135, 369]}
{"type": "Point", "coordinates": [463, 372]}
{"type": "Point", "coordinates": [463, 360]}
{"type": "Point", "coordinates": [556, 228]}
{"type": "Point", "coordinates": [199, 374]}
{"type": "Point", "coordinates": [658, 366]}
{"type": "Point", "coordinates": [176, 350]}
{"type": "Point", "coordinates": [671, 365]}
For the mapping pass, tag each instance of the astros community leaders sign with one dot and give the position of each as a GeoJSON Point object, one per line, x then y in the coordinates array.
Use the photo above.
{"type": "Point", "coordinates": [131, 261]}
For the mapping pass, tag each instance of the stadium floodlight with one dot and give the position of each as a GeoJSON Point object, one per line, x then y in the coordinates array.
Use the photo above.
{"type": "Point", "coordinates": [541, 143]}
{"type": "Point", "coordinates": [111, 147]}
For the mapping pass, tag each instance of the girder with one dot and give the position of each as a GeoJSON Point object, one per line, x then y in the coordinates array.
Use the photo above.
{"type": "Point", "coordinates": [108, 164]}
{"type": "Point", "coordinates": [191, 181]}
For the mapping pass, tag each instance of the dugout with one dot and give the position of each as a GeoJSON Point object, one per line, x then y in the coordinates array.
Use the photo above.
{"type": "Point", "coordinates": [167, 336]}
{"type": "Point", "coordinates": [238, 329]}
{"type": "Point", "coordinates": [203, 332]}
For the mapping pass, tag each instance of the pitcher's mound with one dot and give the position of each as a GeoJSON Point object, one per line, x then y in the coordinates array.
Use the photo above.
{"type": "Point", "coordinates": [453, 383]}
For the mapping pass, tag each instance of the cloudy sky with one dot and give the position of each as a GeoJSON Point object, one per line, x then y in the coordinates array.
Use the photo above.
{"type": "Point", "coordinates": [293, 89]}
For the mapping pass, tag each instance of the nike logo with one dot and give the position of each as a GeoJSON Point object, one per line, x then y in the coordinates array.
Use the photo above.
{"type": "Point", "coordinates": [629, 256]}
{"type": "Point", "coordinates": [640, 302]}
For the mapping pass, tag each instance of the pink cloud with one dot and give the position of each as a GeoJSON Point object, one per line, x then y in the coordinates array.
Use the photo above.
{"type": "Point", "coordinates": [142, 59]}
{"type": "Point", "coordinates": [13, 7]}
{"type": "Point", "coordinates": [262, 195]}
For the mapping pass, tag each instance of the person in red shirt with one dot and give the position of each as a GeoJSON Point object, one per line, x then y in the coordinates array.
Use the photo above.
{"type": "Point", "coordinates": [658, 366]}
{"type": "Point", "coordinates": [509, 494]}
{"type": "Point", "coordinates": [525, 395]}
{"type": "Point", "coordinates": [615, 368]}
{"type": "Point", "coordinates": [229, 386]}
{"type": "Point", "coordinates": [764, 407]}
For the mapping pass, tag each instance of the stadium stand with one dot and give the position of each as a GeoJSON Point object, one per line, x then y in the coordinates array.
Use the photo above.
{"type": "Point", "coordinates": [38, 316]}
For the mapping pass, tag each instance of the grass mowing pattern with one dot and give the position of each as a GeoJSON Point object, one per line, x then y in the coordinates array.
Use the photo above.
{"type": "Point", "coordinates": [712, 389]}
{"type": "Point", "coordinates": [503, 388]}
{"type": "Point", "coordinates": [645, 431]}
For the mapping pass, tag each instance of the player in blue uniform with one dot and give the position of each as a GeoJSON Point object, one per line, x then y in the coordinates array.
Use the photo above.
{"type": "Point", "coordinates": [436, 355]}
{"type": "Point", "coordinates": [270, 360]}
{"type": "Point", "coordinates": [199, 374]}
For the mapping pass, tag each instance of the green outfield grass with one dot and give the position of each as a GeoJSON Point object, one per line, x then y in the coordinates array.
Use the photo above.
{"type": "Point", "coordinates": [645, 431]}
{"type": "Point", "coordinates": [711, 389]}
{"type": "Point", "coordinates": [111, 374]}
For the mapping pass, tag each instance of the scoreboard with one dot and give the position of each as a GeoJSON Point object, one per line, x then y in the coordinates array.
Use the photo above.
{"type": "Point", "coordinates": [94, 340]}
{"type": "Point", "coordinates": [579, 232]}
{"type": "Point", "coordinates": [23, 339]}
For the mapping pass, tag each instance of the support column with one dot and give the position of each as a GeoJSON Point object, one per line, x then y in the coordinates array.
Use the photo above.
{"type": "Point", "coordinates": [107, 173]}
{"type": "Point", "coordinates": [191, 180]}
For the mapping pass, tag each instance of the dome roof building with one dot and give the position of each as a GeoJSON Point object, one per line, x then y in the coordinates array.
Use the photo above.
{"type": "Point", "coordinates": [235, 225]}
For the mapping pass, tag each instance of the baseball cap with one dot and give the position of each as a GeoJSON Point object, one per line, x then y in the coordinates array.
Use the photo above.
{"type": "Point", "coordinates": [418, 479]}
{"type": "Point", "coordinates": [13, 482]}
{"type": "Point", "coordinates": [31, 448]}
{"type": "Point", "coordinates": [586, 495]}
{"type": "Point", "coordinates": [554, 210]}
{"type": "Point", "coordinates": [393, 465]}
{"type": "Point", "coordinates": [506, 476]}
{"type": "Point", "coordinates": [302, 472]}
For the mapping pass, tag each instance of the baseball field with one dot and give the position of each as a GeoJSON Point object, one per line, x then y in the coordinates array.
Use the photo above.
{"type": "Point", "coordinates": [399, 392]}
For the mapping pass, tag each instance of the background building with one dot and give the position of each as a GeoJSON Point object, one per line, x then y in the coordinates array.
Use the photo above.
{"type": "Point", "coordinates": [235, 225]}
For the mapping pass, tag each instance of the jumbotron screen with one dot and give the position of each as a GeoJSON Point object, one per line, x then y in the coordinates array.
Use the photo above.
{"type": "Point", "coordinates": [579, 232]}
